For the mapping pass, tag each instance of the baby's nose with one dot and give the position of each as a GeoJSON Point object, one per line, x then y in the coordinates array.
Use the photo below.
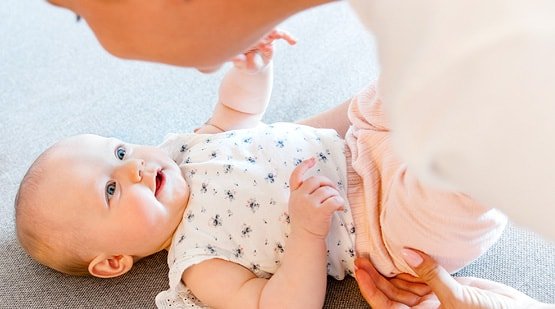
{"type": "Point", "coordinates": [134, 169]}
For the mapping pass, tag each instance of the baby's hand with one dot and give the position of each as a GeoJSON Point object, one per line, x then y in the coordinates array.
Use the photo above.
{"type": "Point", "coordinates": [262, 52]}
{"type": "Point", "coordinates": [312, 201]}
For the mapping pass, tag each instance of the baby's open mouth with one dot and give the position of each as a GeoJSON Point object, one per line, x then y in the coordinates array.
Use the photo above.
{"type": "Point", "coordinates": [160, 180]}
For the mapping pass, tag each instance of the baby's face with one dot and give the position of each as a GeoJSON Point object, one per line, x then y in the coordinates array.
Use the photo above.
{"type": "Point", "coordinates": [128, 198]}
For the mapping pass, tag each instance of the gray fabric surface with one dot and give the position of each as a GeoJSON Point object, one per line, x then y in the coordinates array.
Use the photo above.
{"type": "Point", "coordinates": [56, 81]}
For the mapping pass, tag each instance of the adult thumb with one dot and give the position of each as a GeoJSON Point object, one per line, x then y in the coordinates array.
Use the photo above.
{"type": "Point", "coordinates": [446, 288]}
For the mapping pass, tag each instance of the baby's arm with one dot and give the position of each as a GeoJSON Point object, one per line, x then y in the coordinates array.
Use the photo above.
{"type": "Point", "coordinates": [300, 281]}
{"type": "Point", "coordinates": [246, 88]}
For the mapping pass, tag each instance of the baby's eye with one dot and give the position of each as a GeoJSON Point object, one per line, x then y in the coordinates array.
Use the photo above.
{"type": "Point", "coordinates": [110, 190]}
{"type": "Point", "coordinates": [120, 152]}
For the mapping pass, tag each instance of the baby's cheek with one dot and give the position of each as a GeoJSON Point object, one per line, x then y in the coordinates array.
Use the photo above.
{"type": "Point", "coordinates": [179, 190]}
{"type": "Point", "coordinates": [145, 209]}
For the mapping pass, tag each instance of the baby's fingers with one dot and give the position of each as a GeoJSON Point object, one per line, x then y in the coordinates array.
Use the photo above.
{"type": "Point", "coordinates": [329, 198]}
{"type": "Point", "coordinates": [280, 34]}
{"type": "Point", "coordinates": [254, 61]}
{"type": "Point", "coordinates": [240, 61]}
{"type": "Point", "coordinates": [296, 178]}
{"type": "Point", "coordinates": [324, 193]}
{"type": "Point", "coordinates": [334, 203]}
{"type": "Point", "coordinates": [250, 61]}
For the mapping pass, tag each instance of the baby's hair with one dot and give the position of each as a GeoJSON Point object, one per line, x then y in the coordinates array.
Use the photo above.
{"type": "Point", "coordinates": [35, 233]}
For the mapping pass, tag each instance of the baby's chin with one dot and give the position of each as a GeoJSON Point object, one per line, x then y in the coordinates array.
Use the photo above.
{"type": "Point", "coordinates": [176, 190]}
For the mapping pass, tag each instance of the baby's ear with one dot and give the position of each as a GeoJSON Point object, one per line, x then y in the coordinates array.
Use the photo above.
{"type": "Point", "coordinates": [110, 266]}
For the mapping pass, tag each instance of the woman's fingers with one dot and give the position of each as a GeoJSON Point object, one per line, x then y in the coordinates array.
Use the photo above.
{"type": "Point", "coordinates": [417, 288]}
{"type": "Point", "coordinates": [373, 295]}
{"type": "Point", "coordinates": [439, 280]}
{"type": "Point", "coordinates": [380, 289]}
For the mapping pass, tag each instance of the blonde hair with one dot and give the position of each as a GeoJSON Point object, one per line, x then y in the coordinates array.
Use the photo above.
{"type": "Point", "coordinates": [44, 240]}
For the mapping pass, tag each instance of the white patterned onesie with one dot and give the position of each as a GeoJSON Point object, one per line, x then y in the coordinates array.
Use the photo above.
{"type": "Point", "coordinates": [238, 204]}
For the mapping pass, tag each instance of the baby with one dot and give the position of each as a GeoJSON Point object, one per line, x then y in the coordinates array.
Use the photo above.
{"type": "Point", "coordinates": [247, 219]}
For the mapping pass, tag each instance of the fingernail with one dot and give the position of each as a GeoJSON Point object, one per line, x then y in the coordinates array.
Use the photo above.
{"type": "Point", "coordinates": [412, 258]}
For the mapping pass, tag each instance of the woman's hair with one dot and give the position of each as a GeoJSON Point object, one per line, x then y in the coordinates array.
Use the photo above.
{"type": "Point", "coordinates": [45, 241]}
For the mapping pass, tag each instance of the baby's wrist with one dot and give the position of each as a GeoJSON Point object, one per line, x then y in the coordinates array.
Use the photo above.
{"type": "Point", "coordinates": [209, 128]}
{"type": "Point", "coordinates": [304, 234]}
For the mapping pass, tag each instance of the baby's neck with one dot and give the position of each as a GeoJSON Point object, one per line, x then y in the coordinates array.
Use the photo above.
{"type": "Point", "coordinates": [166, 245]}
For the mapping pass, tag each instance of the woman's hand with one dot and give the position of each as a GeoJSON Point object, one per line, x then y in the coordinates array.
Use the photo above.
{"type": "Point", "coordinates": [401, 291]}
{"type": "Point", "coordinates": [446, 291]}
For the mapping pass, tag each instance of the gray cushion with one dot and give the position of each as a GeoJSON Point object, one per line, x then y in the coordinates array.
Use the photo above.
{"type": "Point", "coordinates": [55, 81]}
